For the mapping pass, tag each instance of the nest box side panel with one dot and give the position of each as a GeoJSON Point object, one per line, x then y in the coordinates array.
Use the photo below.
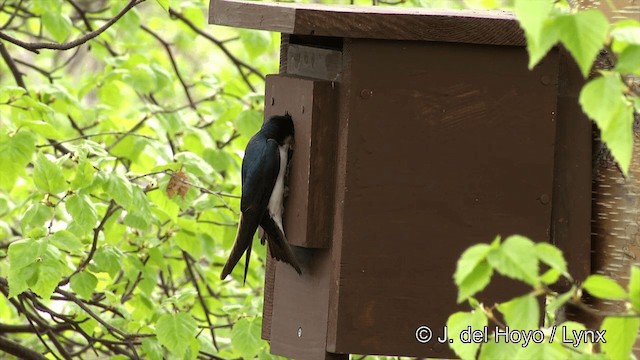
{"type": "Point", "coordinates": [572, 184]}
{"type": "Point", "coordinates": [448, 146]}
{"type": "Point", "coordinates": [297, 305]}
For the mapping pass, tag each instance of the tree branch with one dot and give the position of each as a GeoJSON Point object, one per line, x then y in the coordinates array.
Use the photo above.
{"type": "Point", "coordinates": [18, 350]}
{"type": "Point", "coordinates": [239, 64]}
{"type": "Point", "coordinates": [17, 75]}
{"type": "Point", "coordinates": [34, 47]}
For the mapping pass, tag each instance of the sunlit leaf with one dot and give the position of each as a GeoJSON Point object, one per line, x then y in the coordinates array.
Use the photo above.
{"type": "Point", "coordinates": [175, 332]}
{"type": "Point", "coordinates": [604, 102]}
{"type": "Point", "coordinates": [620, 335]}
{"type": "Point", "coordinates": [513, 259]}
{"type": "Point", "coordinates": [48, 176]}
{"type": "Point", "coordinates": [604, 287]}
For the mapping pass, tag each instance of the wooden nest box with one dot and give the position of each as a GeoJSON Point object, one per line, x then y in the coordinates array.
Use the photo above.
{"type": "Point", "coordinates": [419, 133]}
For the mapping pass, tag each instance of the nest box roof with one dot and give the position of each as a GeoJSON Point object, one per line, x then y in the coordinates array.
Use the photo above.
{"type": "Point", "coordinates": [371, 22]}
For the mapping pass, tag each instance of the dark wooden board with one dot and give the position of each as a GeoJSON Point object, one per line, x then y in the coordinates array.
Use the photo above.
{"type": "Point", "coordinates": [442, 146]}
{"type": "Point", "coordinates": [296, 306]}
{"type": "Point", "coordinates": [572, 181]}
{"type": "Point", "coordinates": [308, 207]}
{"type": "Point", "coordinates": [466, 26]}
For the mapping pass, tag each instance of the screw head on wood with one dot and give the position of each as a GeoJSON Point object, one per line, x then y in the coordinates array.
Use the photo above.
{"type": "Point", "coordinates": [545, 79]}
{"type": "Point", "coordinates": [544, 199]}
{"type": "Point", "coordinates": [366, 93]}
{"type": "Point", "coordinates": [299, 332]}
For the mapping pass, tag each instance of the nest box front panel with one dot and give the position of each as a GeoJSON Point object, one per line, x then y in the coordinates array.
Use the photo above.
{"type": "Point", "coordinates": [296, 306]}
{"type": "Point", "coordinates": [448, 145]}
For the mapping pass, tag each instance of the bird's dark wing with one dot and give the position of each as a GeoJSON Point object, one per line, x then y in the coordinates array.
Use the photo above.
{"type": "Point", "coordinates": [260, 168]}
{"type": "Point", "coordinates": [278, 245]}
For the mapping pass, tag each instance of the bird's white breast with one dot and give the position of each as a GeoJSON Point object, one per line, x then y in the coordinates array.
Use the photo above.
{"type": "Point", "coordinates": [276, 200]}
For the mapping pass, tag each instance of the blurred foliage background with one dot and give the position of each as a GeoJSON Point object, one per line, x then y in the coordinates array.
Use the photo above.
{"type": "Point", "coordinates": [122, 129]}
{"type": "Point", "coordinates": [97, 259]}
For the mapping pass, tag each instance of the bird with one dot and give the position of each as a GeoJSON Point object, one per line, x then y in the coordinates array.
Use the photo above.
{"type": "Point", "coordinates": [264, 165]}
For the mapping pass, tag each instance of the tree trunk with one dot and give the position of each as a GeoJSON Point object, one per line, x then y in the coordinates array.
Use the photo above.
{"type": "Point", "coordinates": [615, 240]}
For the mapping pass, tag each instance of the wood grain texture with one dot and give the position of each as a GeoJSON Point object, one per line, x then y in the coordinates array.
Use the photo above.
{"type": "Point", "coordinates": [314, 62]}
{"type": "Point", "coordinates": [446, 145]}
{"type": "Point", "coordinates": [465, 26]}
{"type": "Point", "coordinates": [621, 9]}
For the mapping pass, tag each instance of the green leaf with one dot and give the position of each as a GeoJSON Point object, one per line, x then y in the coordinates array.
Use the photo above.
{"type": "Point", "coordinates": [84, 283]}
{"type": "Point", "coordinates": [513, 259]}
{"type": "Point", "coordinates": [194, 164]}
{"type": "Point", "coordinates": [15, 153]}
{"type": "Point", "coordinates": [120, 189]}
{"type": "Point", "coordinates": [462, 321]}
{"type": "Point", "coordinates": [469, 261]}
{"type": "Point", "coordinates": [11, 93]}
{"type": "Point", "coordinates": [24, 252]}
{"type": "Point", "coordinates": [42, 128]}
{"type": "Point", "coordinates": [165, 4]}
{"type": "Point", "coordinates": [621, 333]}
{"type": "Point", "coordinates": [604, 287]}
{"type": "Point", "coordinates": [35, 264]}
{"type": "Point", "coordinates": [627, 32]}
{"type": "Point", "coordinates": [544, 350]}
{"type": "Point", "coordinates": [255, 42]}
{"type": "Point", "coordinates": [176, 331]}
{"type": "Point", "coordinates": [48, 176]}
{"type": "Point", "coordinates": [246, 337]}
{"type": "Point", "coordinates": [108, 259]}
{"type": "Point", "coordinates": [550, 276]}
{"type": "Point", "coordinates": [532, 15]}
{"type": "Point", "coordinates": [566, 334]}
{"type": "Point", "coordinates": [499, 350]}
{"type": "Point", "coordinates": [84, 174]}
{"type": "Point", "coordinates": [58, 25]}
{"type": "Point", "coordinates": [604, 102]}
{"type": "Point", "coordinates": [35, 216]}
{"type": "Point", "coordinates": [189, 242]}
{"type": "Point", "coordinates": [49, 273]}
{"type": "Point", "coordinates": [634, 287]}
{"type": "Point", "coordinates": [66, 241]}
{"type": "Point", "coordinates": [152, 349]}
{"type": "Point", "coordinates": [551, 256]}
{"type": "Point", "coordinates": [522, 313]}
{"type": "Point", "coordinates": [628, 62]}
{"type": "Point", "coordinates": [583, 34]}
{"type": "Point", "coordinates": [475, 281]}
{"type": "Point", "coordinates": [81, 209]}
{"type": "Point", "coordinates": [248, 123]}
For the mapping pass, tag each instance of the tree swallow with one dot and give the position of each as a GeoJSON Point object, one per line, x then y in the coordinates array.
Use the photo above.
{"type": "Point", "coordinates": [263, 171]}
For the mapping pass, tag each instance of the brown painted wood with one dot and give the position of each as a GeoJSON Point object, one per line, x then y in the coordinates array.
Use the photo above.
{"type": "Point", "coordinates": [443, 146]}
{"type": "Point", "coordinates": [267, 306]}
{"type": "Point", "coordinates": [572, 175]}
{"type": "Point", "coordinates": [299, 303]}
{"type": "Point", "coordinates": [466, 26]}
{"type": "Point", "coordinates": [309, 206]}
{"type": "Point", "coordinates": [318, 63]}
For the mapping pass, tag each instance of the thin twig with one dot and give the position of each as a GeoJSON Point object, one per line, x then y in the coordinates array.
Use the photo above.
{"type": "Point", "coordinates": [34, 47]}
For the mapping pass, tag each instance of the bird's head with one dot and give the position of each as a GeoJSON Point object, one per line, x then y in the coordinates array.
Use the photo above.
{"type": "Point", "coordinates": [279, 128]}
